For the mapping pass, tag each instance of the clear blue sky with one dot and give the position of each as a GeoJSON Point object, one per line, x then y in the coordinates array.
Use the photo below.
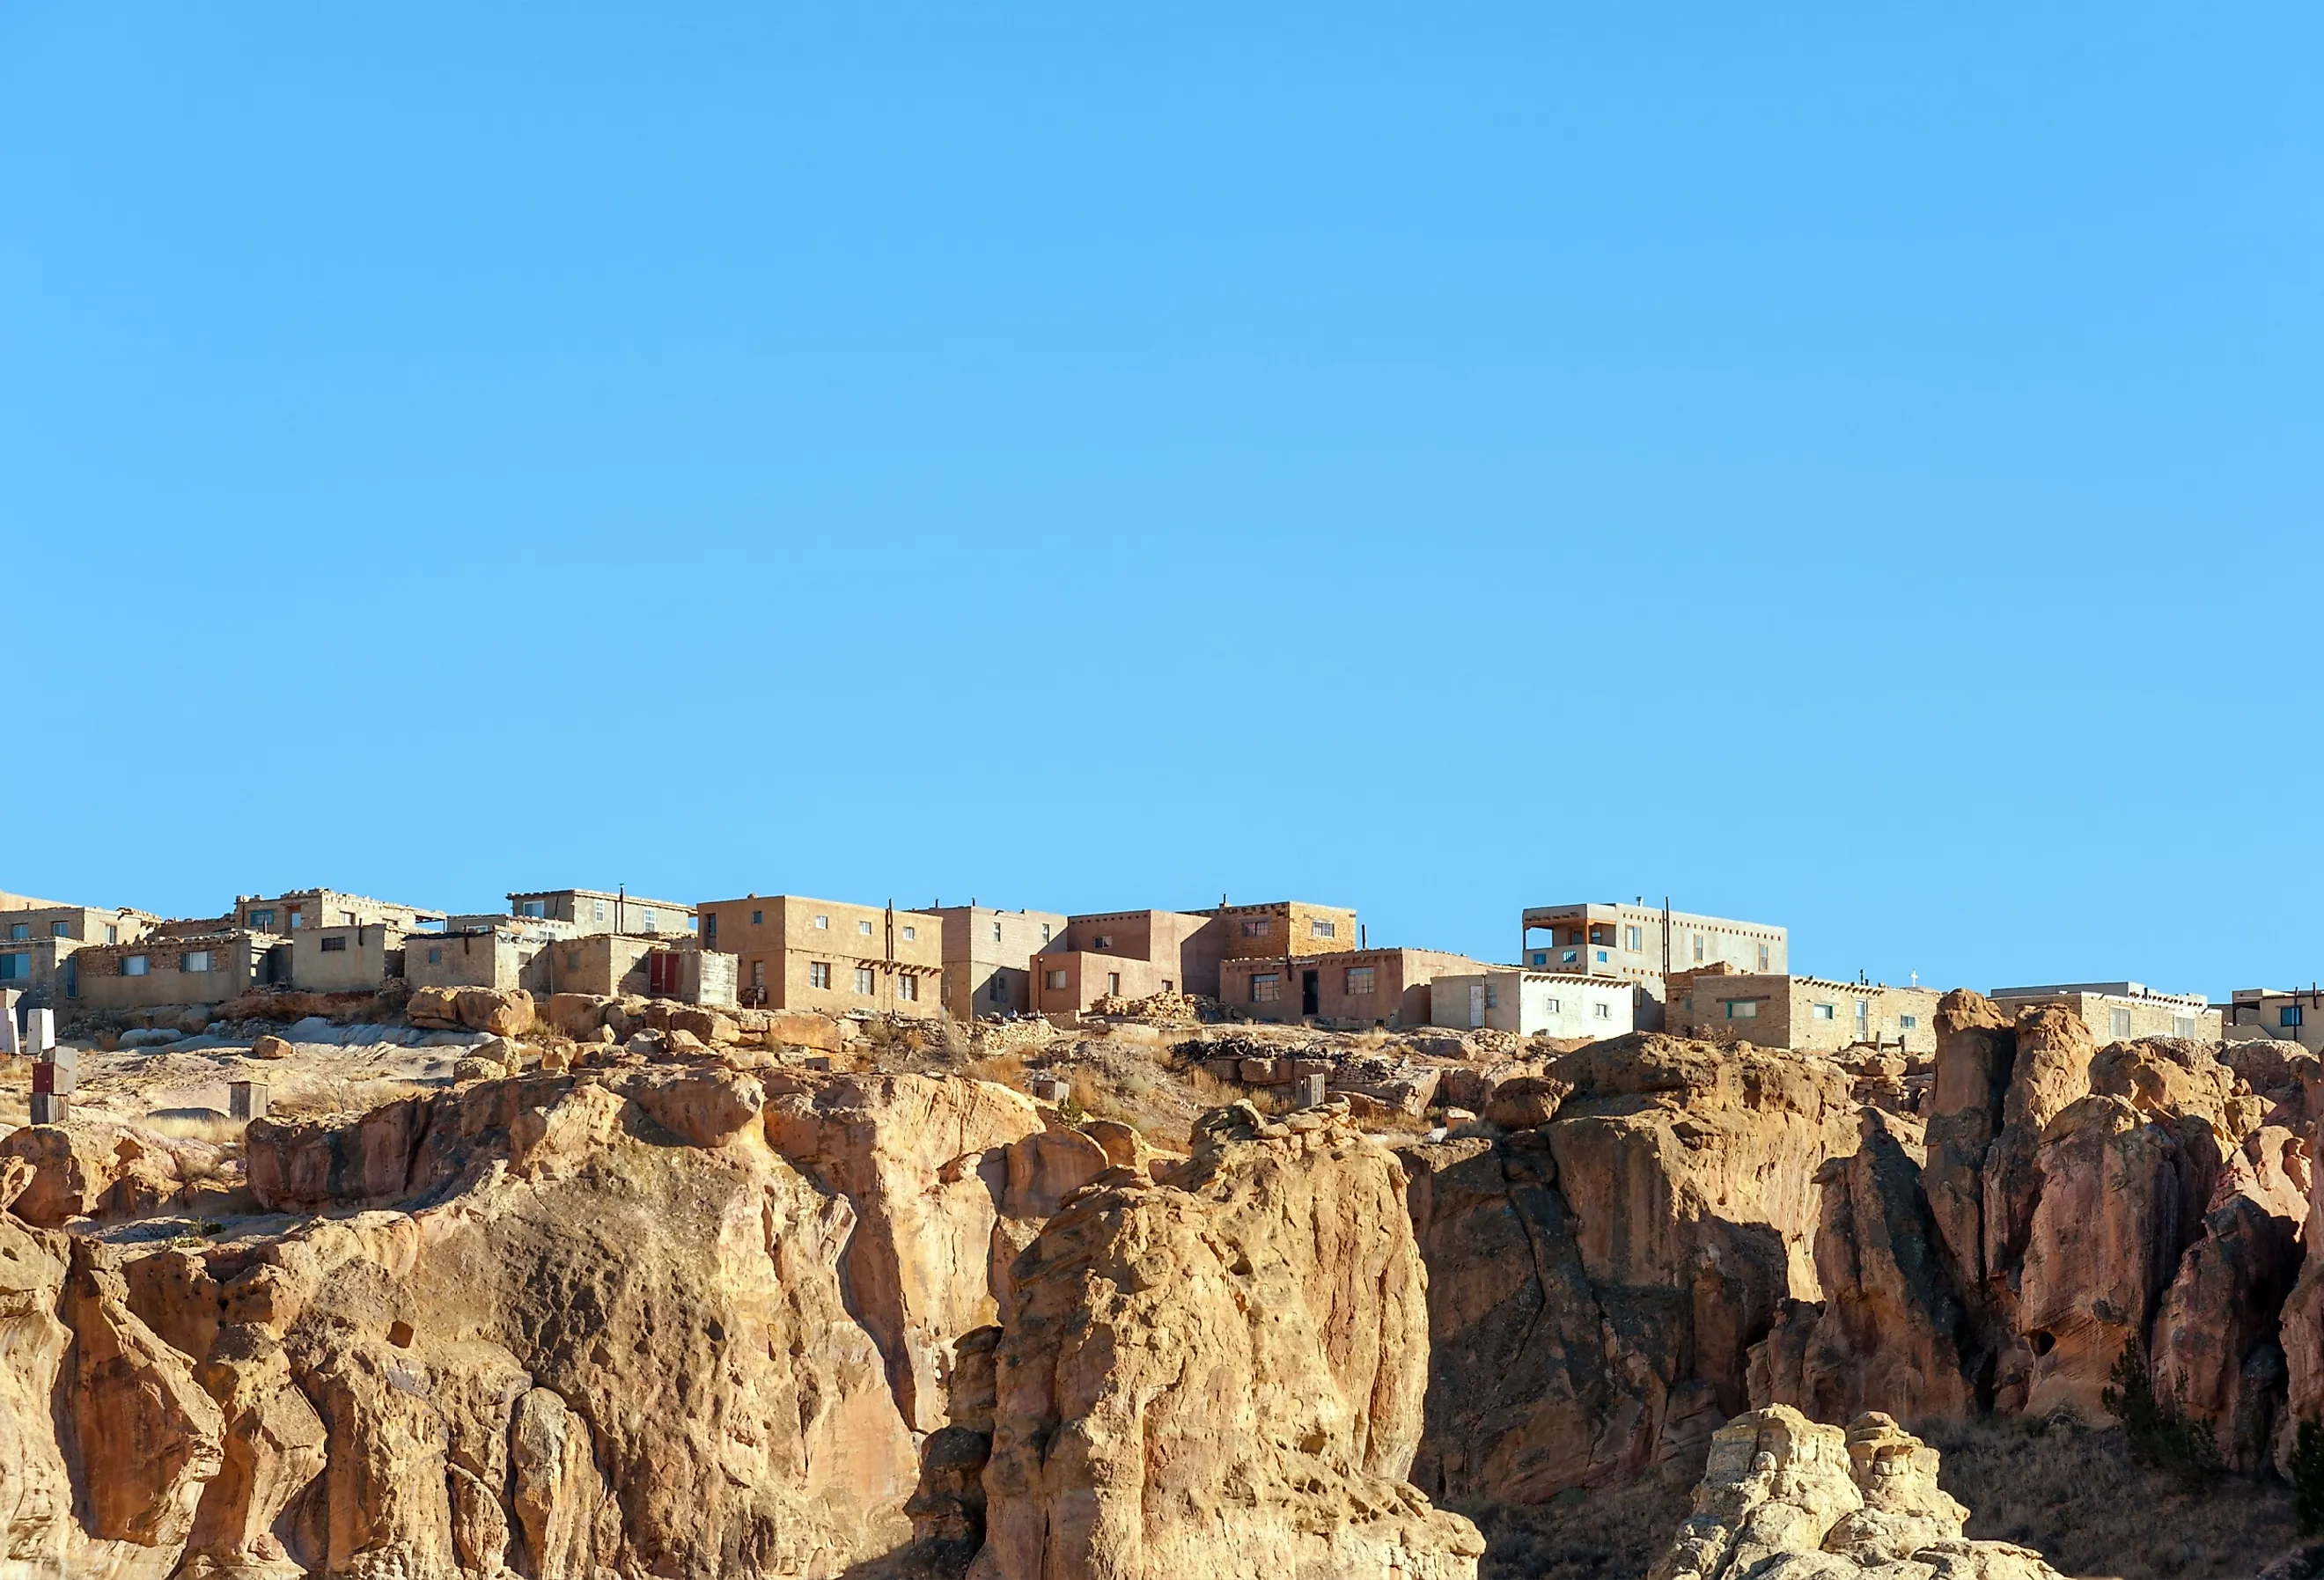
{"type": "Point", "coordinates": [1841, 467]}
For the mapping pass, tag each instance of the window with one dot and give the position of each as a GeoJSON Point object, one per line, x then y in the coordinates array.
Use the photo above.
{"type": "Point", "coordinates": [2288, 1016]}
{"type": "Point", "coordinates": [1103, 941]}
{"type": "Point", "coordinates": [1763, 957]}
{"type": "Point", "coordinates": [600, 910]}
{"type": "Point", "coordinates": [818, 973]}
{"type": "Point", "coordinates": [758, 977]}
{"type": "Point", "coordinates": [652, 919]}
{"type": "Point", "coordinates": [908, 988]}
{"type": "Point", "coordinates": [2118, 1022]}
{"type": "Point", "coordinates": [863, 927]}
{"type": "Point", "coordinates": [2182, 1025]}
{"type": "Point", "coordinates": [136, 964]}
{"type": "Point", "coordinates": [264, 921]}
{"type": "Point", "coordinates": [112, 934]}
{"type": "Point", "coordinates": [1266, 987]}
{"type": "Point", "coordinates": [823, 923]}
{"type": "Point", "coordinates": [1541, 957]}
{"type": "Point", "coordinates": [15, 967]}
{"type": "Point", "coordinates": [1824, 1012]}
{"type": "Point", "coordinates": [347, 918]}
{"type": "Point", "coordinates": [298, 919]}
{"type": "Point", "coordinates": [910, 933]}
{"type": "Point", "coordinates": [693, 925]}
{"type": "Point", "coordinates": [1493, 997]}
{"type": "Point", "coordinates": [1259, 926]}
{"type": "Point", "coordinates": [996, 932]}
{"type": "Point", "coordinates": [1055, 981]}
{"type": "Point", "coordinates": [1909, 1022]}
{"type": "Point", "coordinates": [1169, 985]}
{"type": "Point", "coordinates": [20, 929]}
{"type": "Point", "coordinates": [1603, 1011]}
{"type": "Point", "coordinates": [1113, 983]}
{"type": "Point", "coordinates": [335, 945]}
{"type": "Point", "coordinates": [1360, 981]}
{"type": "Point", "coordinates": [758, 918]}
{"type": "Point", "coordinates": [1630, 939]}
{"type": "Point", "coordinates": [195, 960]}
{"type": "Point", "coordinates": [435, 957]}
{"type": "Point", "coordinates": [1698, 947]}
{"type": "Point", "coordinates": [60, 930]}
{"type": "Point", "coordinates": [1601, 956]}
{"type": "Point", "coordinates": [997, 990]}
{"type": "Point", "coordinates": [1742, 1009]}
{"type": "Point", "coordinates": [1045, 931]}
{"type": "Point", "coordinates": [864, 980]}
{"type": "Point", "coordinates": [1570, 957]}
{"type": "Point", "coordinates": [1323, 929]}
{"type": "Point", "coordinates": [712, 935]}
{"type": "Point", "coordinates": [1553, 1003]}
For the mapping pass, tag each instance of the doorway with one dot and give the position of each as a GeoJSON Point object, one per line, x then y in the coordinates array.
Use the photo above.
{"type": "Point", "coordinates": [1309, 995]}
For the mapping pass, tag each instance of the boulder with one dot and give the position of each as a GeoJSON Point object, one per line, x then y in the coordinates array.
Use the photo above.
{"type": "Point", "coordinates": [266, 1045]}
{"type": "Point", "coordinates": [502, 1012]}
{"type": "Point", "coordinates": [150, 1438]}
{"type": "Point", "coordinates": [436, 1007]}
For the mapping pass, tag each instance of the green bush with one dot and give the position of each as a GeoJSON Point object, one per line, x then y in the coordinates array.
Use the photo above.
{"type": "Point", "coordinates": [2160, 1432]}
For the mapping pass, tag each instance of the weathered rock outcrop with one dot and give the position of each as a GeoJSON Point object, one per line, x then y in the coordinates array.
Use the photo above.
{"type": "Point", "coordinates": [1596, 1281]}
{"type": "Point", "coordinates": [1783, 1498]}
{"type": "Point", "coordinates": [1220, 1375]}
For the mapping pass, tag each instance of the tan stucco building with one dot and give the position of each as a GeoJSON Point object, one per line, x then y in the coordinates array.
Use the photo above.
{"type": "Point", "coordinates": [351, 959]}
{"type": "Point", "coordinates": [796, 953]}
{"type": "Point", "coordinates": [1808, 1014]}
{"type": "Point", "coordinates": [596, 911]}
{"type": "Point", "coordinates": [2119, 1011]}
{"type": "Point", "coordinates": [168, 970]}
{"type": "Point", "coordinates": [284, 914]}
{"type": "Point", "coordinates": [1349, 987]}
{"type": "Point", "coordinates": [988, 962]}
{"type": "Point", "coordinates": [37, 944]}
{"type": "Point", "coordinates": [1281, 928]}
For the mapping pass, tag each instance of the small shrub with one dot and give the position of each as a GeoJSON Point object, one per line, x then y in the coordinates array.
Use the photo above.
{"type": "Point", "coordinates": [2307, 1478]}
{"type": "Point", "coordinates": [2160, 1432]}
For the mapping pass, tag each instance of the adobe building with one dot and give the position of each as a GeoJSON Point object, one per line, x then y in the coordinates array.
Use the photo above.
{"type": "Point", "coordinates": [1808, 1014]}
{"type": "Point", "coordinates": [37, 943]}
{"type": "Point", "coordinates": [285, 914]}
{"type": "Point", "coordinates": [2280, 1014]}
{"type": "Point", "coordinates": [594, 911]}
{"type": "Point", "coordinates": [988, 957]}
{"type": "Point", "coordinates": [795, 953]}
{"type": "Point", "coordinates": [1546, 1004]}
{"type": "Point", "coordinates": [496, 955]}
{"type": "Point", "coordinates": [1281, 928]}
{"type": "Point", "coordinates": [352, 958]}
{"type": "Point", "coordinates": [2119, 1011]}
{"type": "Point", "coordinates": [169, 969]}
{"type": "Point", "coordinates": [1345, 988]}
{"type": "Point", "coordinates": [1646, 943]}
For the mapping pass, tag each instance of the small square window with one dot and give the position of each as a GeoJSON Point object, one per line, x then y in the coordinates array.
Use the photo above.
{"type": "Point", "coordinates": [534, 909]}
{"type": "Point", "coordinates": [864, 928]}
{"type": "Point", "coordinates": [908, 988]}
{"type": "Point", "coordinates": [864, 980]}
{"type": "Point", "coordinates": [1825, 1012]}
{"type": "Point", "coordinates": [20, 929]}
{"type": "Point", "coordinates": [1742, 1009]}
{"type": "Point", "coordinates": [758, 918]}
{"type": "Point", "coordinates": [2182, 1025]}
{"type": "Point", "coordinates": [2288, 1016]}
{"type": "Point", "coordinates": [60, 930]}
{"type": "Point", "coordinates": [335, 945]}
{"type": "Point", "coordinates": [822, 923]}
{"type": "Point", "coordinates": [1258, 927]}
{"type": "Point", "coordinates": [818, 973]}
{"type": "Point", "coordinates": [435, 957]}
{"type": "Point", "coordinates": [15, 967]}
{"type": "Point", "coordinates": [1360, 981]}
{"type": "Point", "coordinates": [194, 960]}
{"type": "Point", "coordinates": [1488, 999]}
{"type": "Point", "coordinates": [1570, 958]}
{"type": "Point", "coordinates": [1103, 941]}
{"type": "Point", "coordinates": [136, 964]}
{"type": "Point", "coordinates": [1541, 957]}
{"type": "Point", "coordinates": [2118, 1022]}
{"type": "Point", "coordinates": [264, 921]}
{"type": "Point", "coordinates": [1323, 929]}
{"type": "Point", "coordinates": [1601, 956]}
{"type": "Point", "coordinates": [1266, 987]}
{"type": "Point", "coordinates": [1909, 1022]}
{"type": "Point", "coordinates": [1603, 1011]}
{"type": "Point", "coordinates": [910, 934]}
{"type": "Point", "coordinates": [1055, 981]}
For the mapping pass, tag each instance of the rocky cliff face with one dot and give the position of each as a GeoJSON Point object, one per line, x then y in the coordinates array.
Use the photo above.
{"type": "Point", "coordinates": [687, 1319]}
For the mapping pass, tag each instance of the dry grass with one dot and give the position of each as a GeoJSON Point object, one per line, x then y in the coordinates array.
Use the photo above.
{"type": "Point", "coordinates": [2073, 1493]}
{"type": "Point", "coordinates": [1005, 1069]}
{"type": "Point", "coordinates": [329, 1094]}
{"type": "Point", "coordinates": [194, 1125]}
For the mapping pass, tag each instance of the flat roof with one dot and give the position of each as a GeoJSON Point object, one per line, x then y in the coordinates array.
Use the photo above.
{"type": "Point", "coordinates": [2114, 990]}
